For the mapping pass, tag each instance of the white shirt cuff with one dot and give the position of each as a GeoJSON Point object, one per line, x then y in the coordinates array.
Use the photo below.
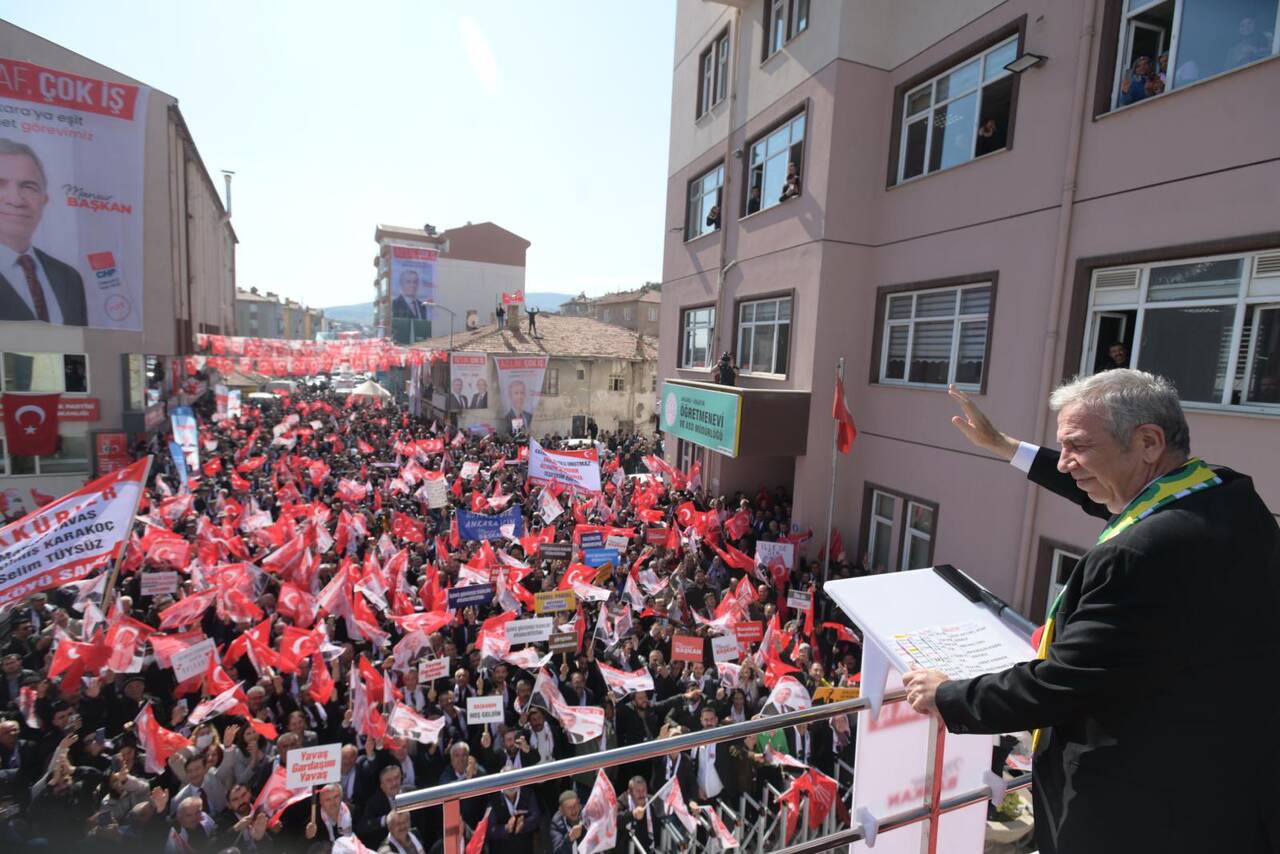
{"type": "Point", "coordinates": [1024, 456]}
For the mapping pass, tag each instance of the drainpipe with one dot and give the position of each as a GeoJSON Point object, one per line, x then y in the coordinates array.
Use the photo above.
{"type": "Point", "coordinates": [725, 266]}
{"type": "Point", "coordinates": [1066, 213]}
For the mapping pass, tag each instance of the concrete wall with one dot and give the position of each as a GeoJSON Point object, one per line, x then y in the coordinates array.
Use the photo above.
{"type": "Point", "coordinates": [477, 286]}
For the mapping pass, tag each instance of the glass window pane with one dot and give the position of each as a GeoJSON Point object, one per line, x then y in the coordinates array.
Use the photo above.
{"type": "Point", "coordinates": [797, 129]}
{"type": "Point", "coordinates": [999, 58]}
{"type": "Point", "coordinates": [75, 377]}
{"type": "Point", "coordinates": [775, 175]}
{"type": "Point", "coordinates": [896, 364]}
{"type": "Point", "coordinates": [899, 308]}
{"type": "Point", "coordinates": [33, 372]}
{"type": "Point", "coordinates": [748, 312]}
{"type": "Point", "coordinates": [757, 152]}
{"type": "Point", "coordinates": [881, 545]}
{"type": "Point", "coordinates": [993, 120]}
{"type": "Point", "coordinates": [884, 505]}
{"type": "Point", "coordinates": [920, 100]}
{"type": "Point", "coordinates": [783, 346]}
{"type": "Point", "coordinates": [762, 349]}
{"type": "Point", "coordinates": [913, 156]}
{"type": "Point", "coordinates": [975, 301]}
{"type": "Point", "coordinates": [917, 553]}
{"type": "Point", "coordinates": [954, 126]}
{"type": "Point", "coordinates": [745, 337]}
{"type": "Point", "coordinates": [766, 311]}
{"type": "Point", "coordinates": [1191, 347]}
{"type": "Point", "coordinates": [959, 81]}
{"type": "Point", "coordinates": [1264, 378]}
{"type": "Point", "coordinates": [921, 518]}
{"type": "Point", "coordinates": [22, 465]}
{"type": "Point", "coordinates": [778, 141]}
{"type": "Point", "coordinates": [973, 349]}
{"type": "Point", "coordinates": [1218, 35]}
{"type": "Point", "coordinates": [936, 304]}
{"type": "Point", "coordinates": [784, 309]}
{"type": "Point", "coordinates": [72, 456]}
{"type": "Point", "coordinates": [931, 352]}
{"type": "Point", "coordinates": [1202, 280]}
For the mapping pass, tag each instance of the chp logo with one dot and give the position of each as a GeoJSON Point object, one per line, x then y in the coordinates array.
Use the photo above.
{"type": "Point", "coordinates": [669, 409]}
{"type": "Point", "coordinates": [105, 272]}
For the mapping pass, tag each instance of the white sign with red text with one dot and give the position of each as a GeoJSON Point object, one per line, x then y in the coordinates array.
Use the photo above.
{"type": "Point", "coordinates": [484, 710]}
{"type": "Point", "coordinates": [570, 468]}
{"type": "Point", "coordinates": [314, 766]}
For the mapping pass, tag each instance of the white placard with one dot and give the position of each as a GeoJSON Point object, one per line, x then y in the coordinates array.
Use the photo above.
{"type": "Point", "coordinates": [617, 541]}
{"type": "Point", "coordinates": [158, 583]}
{"type": "Point", "coordinates": [767, 551]}
{"type": "Point", "coordinates": [314, 766]}
{"type": "Point", "coordinates": [799, 599]}
{"type": "Point", "coordinates": [469, 469]}
{"type": "Point", "coordinates": [484, 710]}
{"type": "Point", "coordinates": [192, 661]}
{"type": "Point", "coordinates": [533, 630]}
{"type": "Point", "coordinates": [725, 647]}
{"type": "Point", "coordinates": [437, 493]}
{"type": "Point", "coordinates": [433, 668]}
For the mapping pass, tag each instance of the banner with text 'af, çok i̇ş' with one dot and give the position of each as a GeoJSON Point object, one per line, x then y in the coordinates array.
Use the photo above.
{"type": "Point", "coordinates": [72, 151]}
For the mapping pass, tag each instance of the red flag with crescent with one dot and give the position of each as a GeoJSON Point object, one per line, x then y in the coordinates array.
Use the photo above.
{"type": "Point", "coordinates": [31, 424]}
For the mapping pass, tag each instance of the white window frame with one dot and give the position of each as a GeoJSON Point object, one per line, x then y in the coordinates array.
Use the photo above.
{"type": "Point", "coordinates": [687, 332]}
{"type": "Point", "coordinates": [957, 319]}
{"type": "Point", "coordinates": [88, 379]}
{"type": "Point", "coordinates": [653, 314]}
{"type": "Point", "coordinates": [721, 45]}
{"type": "Point", "coordinates": [744, 325]}
{"type": "Point", "coordinates": [782, 17]}
{"type": "Point", "coordinates": [1255, 292]}
{"type": "Point", "coordinates": [696, 226]}
{"type": "Point", "coordinates": [1127, 25]}
{"type": "Point", "coordinates": [628, 312]}
{"type": "Point", "coordinates": [1055, 565]}
{"type": "Point", "coordinates": [617, 382]}
{"type": "Point", "coordinates": [687, 453]}
{"type": "Point", "coordinates": [713, 74]}
{"type": "Point", "coordinates": [551, 382]}
{"type": "Point", "coordinates": [874, 521]}
{"type": "Point", "coordinates": [934, 105]}
{"type": "Point", "coordinates": [909, 534]}
{"type": "Point", "coordinates": [77, 429]}
{"type": "Point", "coordinates": [606, 315]}
{"type": "Point", "coordinates": [760, 145]}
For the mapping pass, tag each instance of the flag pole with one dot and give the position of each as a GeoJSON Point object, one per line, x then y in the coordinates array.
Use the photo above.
{"type": "Point", "coordinates": [831, 499]}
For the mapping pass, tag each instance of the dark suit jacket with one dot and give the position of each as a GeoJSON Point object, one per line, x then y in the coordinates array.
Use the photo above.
{"type": "Point", "coordinates": [67, 287]}
{"type": "Point", "coordinates": [401, 307]}
{"type": "Point", "coordinates": [1160, 633]}
{"type": "Point", "coordinates": [517, 843]}
{"type": "Point", "coordinates": [480, 401]}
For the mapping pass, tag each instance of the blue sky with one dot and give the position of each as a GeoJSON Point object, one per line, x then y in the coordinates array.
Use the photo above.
{"type": "Point", "coordinates": [550, 119]}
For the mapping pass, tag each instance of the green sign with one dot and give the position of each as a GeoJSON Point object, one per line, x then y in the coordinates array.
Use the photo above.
{"type": "Point", "coordinates": [702, 416]}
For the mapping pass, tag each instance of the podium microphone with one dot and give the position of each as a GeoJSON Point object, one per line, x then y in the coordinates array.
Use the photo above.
{"type": "Point", "coordinates": [975, 592]}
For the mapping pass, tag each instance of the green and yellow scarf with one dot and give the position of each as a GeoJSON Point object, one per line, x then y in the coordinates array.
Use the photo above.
{"type": "Point", "coordinates": [1192, 476]}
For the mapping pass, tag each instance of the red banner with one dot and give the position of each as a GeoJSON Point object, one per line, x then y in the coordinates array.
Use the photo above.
{"type": "Point", "coordinates": [27, 82]}
{"type": "Point", "coordinates": [31, 424]}
{"type": "Point", "coordinates": [111, 450]}
{"type": "Point", "coordinates": [75, 408]}
{"type": "Point", "coordinates": [686, 648]}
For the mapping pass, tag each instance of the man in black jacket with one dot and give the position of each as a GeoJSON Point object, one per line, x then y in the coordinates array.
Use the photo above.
{"type": "Point", "coordinates": [1136, 717]}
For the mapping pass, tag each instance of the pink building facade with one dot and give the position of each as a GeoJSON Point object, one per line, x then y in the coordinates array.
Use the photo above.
{"type": "Point", "coordinates": [988, 193]}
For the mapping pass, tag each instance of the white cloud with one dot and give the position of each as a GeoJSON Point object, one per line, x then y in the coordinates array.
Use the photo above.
{"type": "Point", "coordinates": [480, 57]}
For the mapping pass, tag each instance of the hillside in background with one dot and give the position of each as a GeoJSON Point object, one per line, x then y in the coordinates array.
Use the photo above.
{"type": "Point", "coordinates": [362, 312]}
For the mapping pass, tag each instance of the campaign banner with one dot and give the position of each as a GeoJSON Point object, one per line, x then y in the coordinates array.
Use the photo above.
{"type": "Point", "coordinates": [468, 381]}
{"type": "Point", "coordinates": [73, 147]}
{"type": "Point", "coordinates": [314, 766]}
{"type": "Point", "coordinates": [600, 557]}
{"type": "Point", "coordinates": [233, 403]}
{"type": "Point", "coordinates": [484, 710]}
{"type": "Point", "coordinates": [520, 385]}
{"type": "Point", "coordinates": [801, 600]}
{"type": "Point", "coordinates": [469, 470]}
{"type": "Point", "coordinates": [186, 434]}
{"type": "Point", "coordinates": [563, 642]}
{"type": "Point", "coordinates": [192, 661]}
{"type": "Point", "coordinates": [413, 281]}
{"type": "Point", "coordinates": [555, 551]}
{"type": "Point", "coordinates": [220, 402]}
{"type": "Point", "coordinates": [158, 583]}
{"type": "Point", "coordinates": [655, 536]}
{"type": "Point", "coordinates": [749, 631]}
{"type": "Point", "coordinates": [70, 408]}
{"type": "Point", "coordinates": [478, 526]}
{"type": "Point", "coordinates": [179, 463]}
{"type": "Point", "coordinates": [531, 630]}
{"type": "Point", "coordinates": [473, 594]}
{"type": "Point", "coordinates": [437, 493]}
{"type": "Point", "coordinates": [686, 648]}
{"type": "Point", "coordinates": [69, 538]}
{"type": "Point", "coordinates": [618, 541]}
{"type": "Point", "coordinates": [725, 647]}
{"type": "Point", "coordinates": [767, 552]}
{"type": "Point", "coordinates": [569, 468]}
{"type": "Point", "coordinates": [554, 601]}
{"type": "Point", "coordinates": [430, 669]}
{"type": "Point", "coordinates": [111, 451]}
{"type": "Point", "coordinates": [591, 540]}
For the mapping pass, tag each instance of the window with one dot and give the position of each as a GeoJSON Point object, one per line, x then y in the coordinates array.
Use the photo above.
{"type": "Point", "coordinates": [687, 453]}
{"type": "Point", "coordinates": [582, 375]}
{"type": "Point", "coordinates": [936, 337]}
{"type": "Point", "coordinates": [617, 383]}
{"type": "Point", "coordinates": [764, 335]}
{"type": "Point", "coordinates": [773, 171]}
{"type": "Point", "coordinates": [1211, 325]}
{"type": "Point", "coordinates": [628, 313]}
{"type": "Point", "coordinates": [606, 314]}
{"type": "Point", "coordinates": [697, 328]}
{"type": "Point", "coordinates": [703, 216]}
{"type": "Point", "coordinates": [784, 20]}
{"type": "Point", "coordinates": [713, 73]}
{"type": "Point", "coordinates": [46, 372]}
{"type": "Point", "coordinates": [897, 529]}
{"type": "Point", "coordinates": [653, 314]}
{"type": "Point", "coordinates": [551, 382]}
{"type": "Point", "coordinates": [961, 114]}
{"type": "Point", "coordinates": [72, 456]}
{"type": "Point", "coordinates": [1168, 44]}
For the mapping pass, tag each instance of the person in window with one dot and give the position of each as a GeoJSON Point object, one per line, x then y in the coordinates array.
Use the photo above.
{"type": "Point", "coordinates": [1253, 44]}
{"type": "Point", "coordinates": [724, 373]}
{"type": "Point", "coordinates": [753, 203]}
{"type": "Point", "coordinates": [791, 188]}
{"type": "Point", "coordinates": [1138, 84]}
{"type": "Point", "coordinates": [713, 217]}
{"type": "Point", "coordinates": [1117, 357]}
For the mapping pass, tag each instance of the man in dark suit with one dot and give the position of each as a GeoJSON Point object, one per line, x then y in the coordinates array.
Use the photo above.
{"type": "Point", "coordinates": [517, 396]}
{"type": "Point", "coordinates": [813, 744]}
{"type": "Point", "coordinates": [637, 817]}
{"type": "Point", "coordinates": [515, 820]}
{"type": "Point", "coordinates": [407, 304]}
{"type": "Point", "coordinates": [457, 398]}
{"type": "Point", "coordinates": [33, 284]}
{"type": "Point", "coordinates": [1137, 718]}
{"type": "Point", "coordinates": [480, 400]}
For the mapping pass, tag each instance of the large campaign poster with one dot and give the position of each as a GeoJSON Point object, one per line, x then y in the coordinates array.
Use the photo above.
{"type": "Point", "coordinates": [413, 281]}
{"type": "Point", "coordinates": [571, 468]}
{"type": "Point", "coordinates": [186, 434]}
{"type": "Point", "coordinates": [520, 384]}
{"type": "Point", "coordinates": [468, 381]}
{"type": "Point", "coordinates": [72, 152]}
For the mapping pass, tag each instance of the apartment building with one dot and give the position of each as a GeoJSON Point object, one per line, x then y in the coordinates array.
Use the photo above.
{"type": "Point", "coordinates": [637, 310]}
{"type": "Point", "coordinates": [999, 195]}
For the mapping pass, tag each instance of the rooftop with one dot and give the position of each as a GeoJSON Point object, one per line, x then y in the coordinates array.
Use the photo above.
{"type": "Point", "coordinates": [558, 336]}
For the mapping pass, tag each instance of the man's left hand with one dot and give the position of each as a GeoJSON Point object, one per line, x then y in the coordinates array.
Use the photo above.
{"type": "Point", "coordinates": [922, 689]}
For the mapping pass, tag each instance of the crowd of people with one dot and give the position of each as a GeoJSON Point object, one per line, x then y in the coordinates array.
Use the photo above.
{"type": "Point", "coordinates": [314, 549]}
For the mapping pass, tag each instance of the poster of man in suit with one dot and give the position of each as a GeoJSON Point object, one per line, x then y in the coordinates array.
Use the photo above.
{"type": "Point", "coordinates": [413, 282]}
{"type": "Point", "coordinates": [520, 385]}
{"type": "Point", "coordinates": [72, 160]}
{"type": "Point", "coordinates": [469, 375]}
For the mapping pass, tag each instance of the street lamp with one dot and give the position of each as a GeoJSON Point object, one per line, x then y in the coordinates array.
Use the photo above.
{"type": "Point", "coordinates": [429, 304]}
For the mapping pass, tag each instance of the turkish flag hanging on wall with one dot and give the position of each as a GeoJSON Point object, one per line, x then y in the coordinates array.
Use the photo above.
{"type": "Point", "coordinates": [31, 424]}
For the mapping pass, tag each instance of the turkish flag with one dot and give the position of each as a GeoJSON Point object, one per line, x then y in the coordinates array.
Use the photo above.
{"type": "Point", "coordinates": [31, 424]}
{"type": "Point", "coordinates": [846, 431]}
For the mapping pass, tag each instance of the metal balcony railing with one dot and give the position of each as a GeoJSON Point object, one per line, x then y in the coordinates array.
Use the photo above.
{"type": "Point", "coordinates": [862, 827]}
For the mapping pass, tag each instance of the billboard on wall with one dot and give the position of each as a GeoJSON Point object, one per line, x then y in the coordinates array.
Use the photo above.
{"type": "Point", "coordinates": [413, 281]}
{"type": "Point", "coordinates": [72, 152]}
{"type": "Point", "coordinates": [520, 384]}
{"type": "Point", "coordinates": [703, 416]}
{"type": "Point", "coordinates": [468, 381]}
